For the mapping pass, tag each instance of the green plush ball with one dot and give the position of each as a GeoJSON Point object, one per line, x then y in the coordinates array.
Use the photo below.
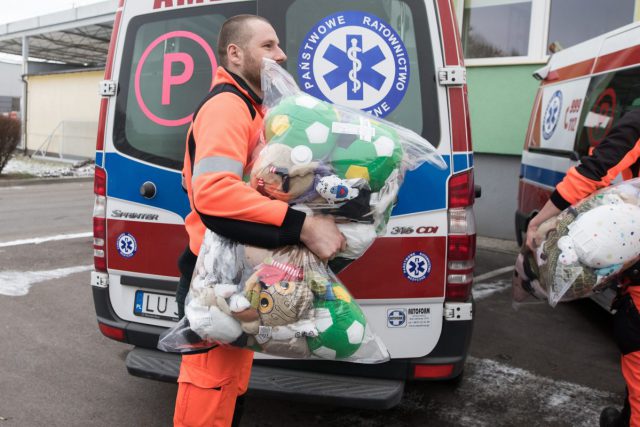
{"type": "Point", "coordinates": [341, 325]}
{"type": "Point", "coordinates": [373, 161]}
{"type": "Point", "coordinates": [301, 120]}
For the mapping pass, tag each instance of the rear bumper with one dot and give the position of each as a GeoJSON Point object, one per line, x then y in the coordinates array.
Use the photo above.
{"type": "Point", "coordinates": [344, 384]}
{"type": "Point", "coordinates": [138, 334]}
{"type": "Point", "coordinates": [293, 385]}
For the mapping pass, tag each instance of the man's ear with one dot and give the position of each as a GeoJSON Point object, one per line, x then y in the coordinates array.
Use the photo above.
{"type": "Point", "coordinates": [234, 54]}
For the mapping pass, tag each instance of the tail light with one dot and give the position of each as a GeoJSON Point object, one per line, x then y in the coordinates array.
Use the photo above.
{"type": "Point", "coordinates": [432, 371]}
{"type": "Point", "coordinates": [100, 219]}
{"type": "Point", "coordinates": [462, 237]}
{"type": "Point", "coordinates": [112, 332]}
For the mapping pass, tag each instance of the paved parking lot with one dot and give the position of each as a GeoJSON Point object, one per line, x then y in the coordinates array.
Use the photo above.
{"type": "Point", "coordinates": [532, 366]}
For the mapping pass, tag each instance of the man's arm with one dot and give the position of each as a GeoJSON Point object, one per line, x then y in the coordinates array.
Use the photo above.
{"type": "Point", "coordinates": [619, 151]}
{"type": "Point", "coordinates": [228, 206]}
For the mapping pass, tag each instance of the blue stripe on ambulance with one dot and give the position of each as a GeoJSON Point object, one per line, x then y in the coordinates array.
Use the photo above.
{"type": "Point", "coordinates": [132, 174]}
{"type": "Point", "coordinates": [430, 184]}
{"type": "Point", "coordinates": [427, 181]}
{"type": "Point", "coordinates": [547, 177]}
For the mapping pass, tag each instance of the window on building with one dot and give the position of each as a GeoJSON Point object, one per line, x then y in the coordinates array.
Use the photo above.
{"type": "Point", "coordinates": [596, 17]}
{"type": "Point", "coordinates": [496, 28]}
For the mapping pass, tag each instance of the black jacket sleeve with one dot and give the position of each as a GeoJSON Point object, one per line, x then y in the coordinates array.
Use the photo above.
{"type": "Point", "coordinates": [618, 151]}
{"type": "Point", "coordinates": [256, 234]}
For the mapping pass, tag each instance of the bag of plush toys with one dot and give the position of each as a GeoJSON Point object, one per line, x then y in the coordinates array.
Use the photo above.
{"type": "Point", "coordinates": [320, 159]}
{"type": "Point", "coordinates": [327, 159]}
{"type": "Point", "coordinates": [285, 303]}
{"type": "Point", "coordinates": [584, 248]}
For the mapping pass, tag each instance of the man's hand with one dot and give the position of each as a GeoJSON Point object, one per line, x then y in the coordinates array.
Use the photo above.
{"type": "Point", "coordinates": [322, 237]}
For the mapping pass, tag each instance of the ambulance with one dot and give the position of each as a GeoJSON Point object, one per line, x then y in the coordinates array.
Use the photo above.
{"type": "Point", "coordinates": [414, 283]}
{"type": "Point", "coordinates": [584, 90]}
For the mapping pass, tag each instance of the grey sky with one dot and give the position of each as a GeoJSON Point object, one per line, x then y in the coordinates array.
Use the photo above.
{"type": "Point", "coordinates": [29, 8]}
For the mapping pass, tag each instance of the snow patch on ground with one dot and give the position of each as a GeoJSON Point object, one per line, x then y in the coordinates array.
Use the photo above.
{"type": "Point", "coordinates": [20, 164]}
{"type": "Point", "coordinates": [484, 290]}
{"type": "Point", "coordinates": [38, 240]}
{"type": "Point", "coordinates": [493, 394]}
{"type": "Point", "coordinates": [18, 283]}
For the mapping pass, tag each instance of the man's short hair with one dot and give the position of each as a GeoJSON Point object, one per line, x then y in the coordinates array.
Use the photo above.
{"type": "Point", "coordinates": [235, 31]}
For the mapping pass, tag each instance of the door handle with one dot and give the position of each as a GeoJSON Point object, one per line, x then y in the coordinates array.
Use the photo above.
{"type": "Point", "coordinates": [148, 190]}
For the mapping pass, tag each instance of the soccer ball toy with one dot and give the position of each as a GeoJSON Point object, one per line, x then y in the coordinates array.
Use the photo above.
{"type": "Point", "coordinates": [340, 324]}
{"type": "Point", "coordinates": [305, 122]}
{"type": "Point", "coordinates": [372, 160]}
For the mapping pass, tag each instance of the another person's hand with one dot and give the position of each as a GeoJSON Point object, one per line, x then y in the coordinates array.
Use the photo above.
{"type": "Point", "coordinates": [531, 242]}
{"type": "Point", "coordinates": [322, 237]}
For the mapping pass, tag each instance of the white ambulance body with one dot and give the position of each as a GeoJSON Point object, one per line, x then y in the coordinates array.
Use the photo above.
{"type": "Point", "coordinates": [414, 283]}
{"type": "Point", "coordinates": [584, 90]}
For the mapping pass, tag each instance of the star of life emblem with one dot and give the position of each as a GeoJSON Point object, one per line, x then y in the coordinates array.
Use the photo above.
{"type": "Point", "coordinates": [357, 60]}
{"type": "Point", "coordinates": [127, 245]}
{"type": "Point", "coordinates": [552, 115]}
{"type": "Point", "coordinates": [416, 266]}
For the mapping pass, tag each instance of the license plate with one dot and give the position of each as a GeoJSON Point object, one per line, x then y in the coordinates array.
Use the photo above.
{"type": "Point", "coordinates": [157, 306]}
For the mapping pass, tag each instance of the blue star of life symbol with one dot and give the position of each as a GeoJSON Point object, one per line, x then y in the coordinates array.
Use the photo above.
{"type": "Point", "coordinates": [354, 67]}
{"type": "Point", "coordinates": [552, 115]}
{"type": "Point", "coordinates": [127, 245]}
{"type": "Point", "coordinates": [416, 266]}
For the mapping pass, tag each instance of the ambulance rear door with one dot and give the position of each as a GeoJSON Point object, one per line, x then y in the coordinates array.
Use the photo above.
{"type": "Point", "coordinates": [164, 66]}
{"type": "Point", "coordinates": [383, 57]}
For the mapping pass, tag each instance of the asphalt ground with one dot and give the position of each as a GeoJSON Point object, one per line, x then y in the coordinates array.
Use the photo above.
{"type": "Point", "coordinates": [533, 366]}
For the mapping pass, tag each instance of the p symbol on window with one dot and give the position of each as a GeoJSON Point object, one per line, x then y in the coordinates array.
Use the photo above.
{"type": "Point", "coordinates": [169, 79]}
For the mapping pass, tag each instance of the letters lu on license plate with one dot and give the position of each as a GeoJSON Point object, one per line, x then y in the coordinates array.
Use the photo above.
{"type": "Point", "coordinates": [157, 306]}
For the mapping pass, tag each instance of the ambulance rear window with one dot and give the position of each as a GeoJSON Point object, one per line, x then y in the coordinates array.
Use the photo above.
{"type": "Point", "coordinates": [609, 97]}
{"type": "Point", "coordinates": [371, 55]}
{"type": "Point", "coordinates": [167, 69]}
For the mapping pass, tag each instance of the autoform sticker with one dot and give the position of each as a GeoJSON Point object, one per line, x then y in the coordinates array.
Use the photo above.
{"type": "Point", "coordinates": [355, 59]}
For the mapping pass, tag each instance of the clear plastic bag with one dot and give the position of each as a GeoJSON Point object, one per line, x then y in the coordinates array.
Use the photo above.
{"type": "Point", "coordinates": [583, 249]}
{"type": "Point", "coordinates": [332, 159]}
{"type": "Point", "coordinates": [288, 305]}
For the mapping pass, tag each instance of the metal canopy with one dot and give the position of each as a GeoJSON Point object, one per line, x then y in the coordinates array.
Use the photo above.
{"type": "Point", "coordinates": [78, 36]}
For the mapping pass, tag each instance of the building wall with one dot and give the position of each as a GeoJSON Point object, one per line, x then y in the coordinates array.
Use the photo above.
{"type": "Point", "coordinates": [10, 84]}
{"type": "Point", "coordinates": [66, 107]}
{"type": "Point", "coordinates": [495, 210]}
{"type": "Point", "coordinates": [500, 102]}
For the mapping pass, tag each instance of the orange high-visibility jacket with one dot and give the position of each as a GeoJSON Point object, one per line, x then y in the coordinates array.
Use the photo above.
{"type": "Point", "coordinates": [618, 153]}
{"type": "Point", "coordinates": [221, 141]}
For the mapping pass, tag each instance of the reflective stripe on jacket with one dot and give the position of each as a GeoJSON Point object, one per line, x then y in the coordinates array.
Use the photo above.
{"type": "Point", "coordinates": [227, 136]}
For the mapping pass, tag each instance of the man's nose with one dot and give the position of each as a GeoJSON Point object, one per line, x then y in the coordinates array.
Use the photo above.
{"type": "Point", "coordinates": [280, 56]}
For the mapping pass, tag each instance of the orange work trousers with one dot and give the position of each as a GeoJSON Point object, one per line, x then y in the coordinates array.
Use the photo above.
{"type": "Point", "coordinates": [209, 384]}
{"type": "Point", "coordinates": [626, 328]}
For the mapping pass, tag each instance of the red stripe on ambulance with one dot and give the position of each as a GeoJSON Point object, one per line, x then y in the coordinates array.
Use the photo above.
{"type": "Point", "coordinates": [378, 273]}
{"type": "Point", "coordinates": [611, 61]}
{"type": "Point", "coordinates": [155, 254]}
{"type": "Point", "coordinates": [624, 58]}
{"type": "Point", "coordinates": [532, 196]}
{"type": "Point", "coordinates": [449, 30]}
